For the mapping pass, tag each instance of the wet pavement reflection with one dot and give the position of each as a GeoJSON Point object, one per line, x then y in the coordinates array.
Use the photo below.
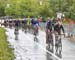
{"type": "Point", "coordinates": [50, 57]}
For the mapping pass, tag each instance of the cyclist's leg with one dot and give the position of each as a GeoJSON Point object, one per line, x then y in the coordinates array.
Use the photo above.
{"type": "Point", "coordinates": [59, 48]}
{"type": "Point", "coordinates": [47, 40]}
{"type": "Point", "coordinates": [16, 37]}
{"type": "Point", "coordinates": [16, 29]}
{"type": "Point", "coordinates": [35, 30]}
{"type": "Point", "coordinates": [60, 45]}
{"type": "Point", "coordinates": [50, 41]}
{"type": "Point", "coordinates": [46, 37]}
{"type": "Point", "coordinates": [56, 42]}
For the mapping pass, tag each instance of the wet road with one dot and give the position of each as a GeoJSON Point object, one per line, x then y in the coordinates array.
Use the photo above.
{"type": "Point", "coordinates": [26, 49]}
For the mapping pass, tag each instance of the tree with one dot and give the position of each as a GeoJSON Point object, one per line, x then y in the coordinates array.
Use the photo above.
{"type": "Point", "coordinates": [2, 7]}
{"type": "Point", "coordinates": [21, 8]}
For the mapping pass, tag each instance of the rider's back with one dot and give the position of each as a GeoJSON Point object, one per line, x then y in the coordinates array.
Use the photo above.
{"type": "Point", "coordinates": [34, 22]}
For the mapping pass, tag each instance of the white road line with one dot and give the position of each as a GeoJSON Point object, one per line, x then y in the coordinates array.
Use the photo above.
{"type": "Point", "coordinates": [48, 51]}
{"type": "Point", "coordinates": [45, 49]}
{"type": "Point", "coordinates": [42, 47]}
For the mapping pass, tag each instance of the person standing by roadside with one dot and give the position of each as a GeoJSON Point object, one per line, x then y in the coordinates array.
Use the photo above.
{"type": "Point", "coordinates": [71, 27]}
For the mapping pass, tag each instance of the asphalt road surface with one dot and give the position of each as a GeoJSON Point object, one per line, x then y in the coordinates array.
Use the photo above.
{"type": "Point", "coordinates": [25, 48]}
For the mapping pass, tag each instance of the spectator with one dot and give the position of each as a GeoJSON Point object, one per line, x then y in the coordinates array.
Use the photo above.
{"type": "Point", "coordinates": [71, 27]}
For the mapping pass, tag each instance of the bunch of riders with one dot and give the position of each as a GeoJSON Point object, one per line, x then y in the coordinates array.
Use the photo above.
{"type": "Point", "coordinates": [54, 26]}
{"type": "Point", "coordinates": [33, 24]}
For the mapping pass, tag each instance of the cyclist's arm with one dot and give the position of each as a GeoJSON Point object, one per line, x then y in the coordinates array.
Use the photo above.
{"type": "Point", "coordinates": [62, 29]}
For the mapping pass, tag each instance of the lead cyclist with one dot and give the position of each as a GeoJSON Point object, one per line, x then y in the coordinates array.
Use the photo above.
{"type": "Point", "coordinates": [57, 30]}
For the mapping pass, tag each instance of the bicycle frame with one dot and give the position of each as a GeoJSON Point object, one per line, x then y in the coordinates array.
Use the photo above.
{"type": "Point", "coordinates": [57, 41]}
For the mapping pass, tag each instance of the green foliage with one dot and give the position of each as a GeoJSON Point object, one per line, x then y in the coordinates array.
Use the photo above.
{"type": "Point", "coordinates": [6, 53]}
{"type": "Point", "coordinates": [2, 6]}
{"type": "Point", "coordinates": [21, 8]}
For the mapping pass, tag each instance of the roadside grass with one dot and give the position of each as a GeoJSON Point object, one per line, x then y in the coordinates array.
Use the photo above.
{"type": "Point", "coordinates": [6, 53]}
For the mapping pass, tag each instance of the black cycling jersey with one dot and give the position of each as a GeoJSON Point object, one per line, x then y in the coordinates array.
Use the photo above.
{"type": "Point", "coordinates": [58, 28]}
{"type": "Point", "coordinates": [17, 23]}
{"type": "Point", "coordinates": [49, 25]}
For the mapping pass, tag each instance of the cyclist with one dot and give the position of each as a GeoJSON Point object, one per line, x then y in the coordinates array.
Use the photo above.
{"type": "Point", "coordinates": [35, 25]}
{"type": "Point", "coordinates": [24, 25]}
{"type": "Point", "coordinates": [57, 29]}
{"type": "Point", "coordinates": [10, 24]}
{"type": "Point", "coordinates": [49, 30]}
{"type": "Point", "coordinates": [16, 26]}
{"type": "Point", "coordinates": [5, 23]}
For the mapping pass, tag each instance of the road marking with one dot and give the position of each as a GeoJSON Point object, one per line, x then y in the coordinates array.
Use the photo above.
{"type": "Point", "coordinates": [48, 51]}
{"type": "Point", "coordinates": [45, 49]}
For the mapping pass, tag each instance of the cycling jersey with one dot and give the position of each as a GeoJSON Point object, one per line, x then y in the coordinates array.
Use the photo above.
{"type": "Point", "coordinates": [58, 28]}
{"type": "Point", "coordinates": [50, 25]}
{"type": "Point", "coordinates": [35, 23]}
